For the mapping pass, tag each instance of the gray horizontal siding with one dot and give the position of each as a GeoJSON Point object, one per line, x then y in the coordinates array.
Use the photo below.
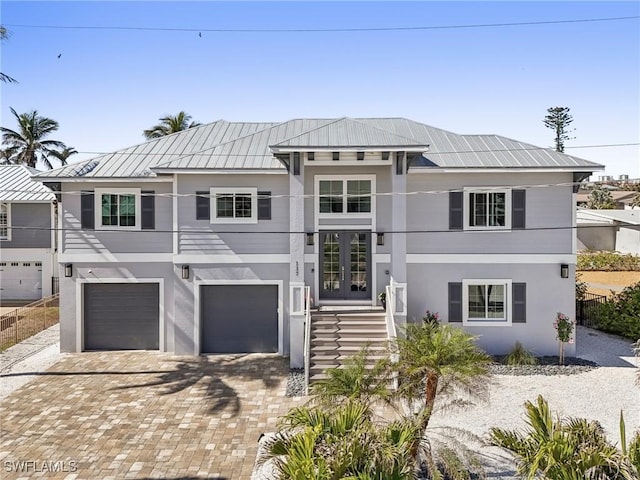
{"type": "Point", "coordinates": [30, 226]}
{"type": "Point", "coordinates": [549, 209]}
{"type": "Point", "coordinates": [203, 237]}
{"type": "Point", "coordinates": [77, 240]}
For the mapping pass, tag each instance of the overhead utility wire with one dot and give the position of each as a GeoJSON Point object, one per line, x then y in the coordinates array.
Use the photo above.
{"type": "Point", "coordinates": [488, 188]}
{"type": "Point", "coordinates": [202, 152]}
{"type": "Point", "coordinates": [322, 30]}
{"type": "Point", "coordinates": [288, 232]}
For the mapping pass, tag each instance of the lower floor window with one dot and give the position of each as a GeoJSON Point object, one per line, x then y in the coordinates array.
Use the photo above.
{"type": "Point", "coordinates": [486, 301]}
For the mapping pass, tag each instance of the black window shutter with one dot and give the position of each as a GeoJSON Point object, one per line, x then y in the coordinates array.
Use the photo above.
{"type": "Point", "coordinates": [296, 163]}
{"type": "Point", "coordinates": [87, 216]}
{"type": "Point", "coordinates": [203, 206]}
{"type": "Point", "coordinates": [455, 302]}
{"type": "Point", "coordinates": [519, 302]}
{"type": "Point", "coordinates": [148, 209]}
{"type": "Point", "coordinates": [455, 210]}
{"type": "Point", "coordinates": [518, 204]}
{"type": "Point", "coordinates": [264, 205]}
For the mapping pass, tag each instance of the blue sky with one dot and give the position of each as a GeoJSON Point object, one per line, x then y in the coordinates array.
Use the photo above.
{"type": "Point", "coordinates": [109, 85]}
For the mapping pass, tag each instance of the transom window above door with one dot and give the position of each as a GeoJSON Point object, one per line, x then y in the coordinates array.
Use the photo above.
{"type": "Point", "coordinates": [345, 195]}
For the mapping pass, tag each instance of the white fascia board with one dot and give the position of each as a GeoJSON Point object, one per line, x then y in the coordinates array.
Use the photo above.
{"type": "Point", "coordinates": [104, 179]}
{"type": "Point", "coordinates": [378, 148]}
{"type": "Point", "coordinates": [200, 171]}
{"type": "Point", "coordinates": [247, 258]}
{"type": "Point", "coordinates": [501, 170]}
{"type": "Point", "coordinates": [108, 257]}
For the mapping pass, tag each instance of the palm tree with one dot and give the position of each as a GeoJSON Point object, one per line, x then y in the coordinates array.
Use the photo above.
{"type": "Point", "coordinates": [566, 449]}
{"type": "Point", "coordinates": [64, 154]}
{"type": "Point", "coordinates": [440, 360]}
{"type": "Point", "coordinates": [4, 78]}
{"type": "Point", "coordinates": [28, 144]}
{"type": "Point", "coordinates": [170, 124]}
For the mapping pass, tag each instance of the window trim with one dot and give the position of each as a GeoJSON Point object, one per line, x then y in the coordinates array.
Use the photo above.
{"type": "Point", "coordinates": [97, 199]}
{"type": "Point", "coordinates": [213, 210]}
{"type": "Point", "coordinates": [487, 322]}
{"type": "Point", "coordinates": [466, 208]}
{"type": "Point", "coordinates": [7, 238]}
{"type": "Point", "coordinates": [344, 179]}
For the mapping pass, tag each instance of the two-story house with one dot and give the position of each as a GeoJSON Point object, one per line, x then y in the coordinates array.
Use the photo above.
{"type": "Point", "coordinates": [28, 265]}
{"type": "Point", "coordinates": [199, 241]}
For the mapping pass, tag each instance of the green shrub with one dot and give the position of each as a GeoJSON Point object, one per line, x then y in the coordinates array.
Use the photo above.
{"type": "Point", "coordinates": [621, 314]}
{"type": "Point", "coordinates": [519, 356]}
{"type": "Point", "coordinates": [581, 288]}
{"type": "Point", "coordinates": [608, 262]}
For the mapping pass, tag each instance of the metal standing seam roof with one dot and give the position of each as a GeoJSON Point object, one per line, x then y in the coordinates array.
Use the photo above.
{"type": "Point", "coordinates": [16, 185]}
{"type": "Point", "coordinates": [224, 145]}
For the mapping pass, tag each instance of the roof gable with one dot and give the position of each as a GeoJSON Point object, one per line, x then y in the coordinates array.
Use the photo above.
{"type": "Point", "coordinates": [16, 185]}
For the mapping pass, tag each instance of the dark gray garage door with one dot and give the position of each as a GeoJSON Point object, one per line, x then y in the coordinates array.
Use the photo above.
{"type": "Point", "coordinates": [239, 318]}
{"type": "Point", "coordinates": [121, 316]}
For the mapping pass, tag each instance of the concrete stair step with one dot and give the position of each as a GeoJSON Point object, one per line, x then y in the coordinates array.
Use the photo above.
{"type": "Point", "coordinates": [350, 322]}
{"type": "Point", "coordinates": [348, 350]}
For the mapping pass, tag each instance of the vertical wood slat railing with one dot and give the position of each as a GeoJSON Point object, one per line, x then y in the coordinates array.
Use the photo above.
{"type": "Point", "coordinates": [24, 322]}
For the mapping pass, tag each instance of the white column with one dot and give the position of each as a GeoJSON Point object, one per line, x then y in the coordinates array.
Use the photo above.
{"type": "Point", "coordinates": [398, 237]}
{"type": "Point", "coordinates": [296, 268]}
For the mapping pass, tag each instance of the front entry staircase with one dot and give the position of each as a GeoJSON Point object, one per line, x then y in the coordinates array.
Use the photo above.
{"type": "Point", "coordinates": [340, 332]}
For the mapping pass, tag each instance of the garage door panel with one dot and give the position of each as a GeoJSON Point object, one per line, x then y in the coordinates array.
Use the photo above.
{"type": "Point", "coordinates": [20, 280]}
{"type": "Point", "coordinates": [239, 318]}
{"type": "Point", "coordinates": [121, 316]}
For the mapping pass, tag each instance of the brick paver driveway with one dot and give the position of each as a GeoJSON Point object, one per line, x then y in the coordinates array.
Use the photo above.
{"type": "Point", "coordinates": [119, 415]}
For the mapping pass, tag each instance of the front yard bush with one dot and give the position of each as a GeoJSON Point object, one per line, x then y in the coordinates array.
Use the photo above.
{"type": "Point", "coordinates": [621, 314]}
{"type": "Point", "coordinates": [608, 262]}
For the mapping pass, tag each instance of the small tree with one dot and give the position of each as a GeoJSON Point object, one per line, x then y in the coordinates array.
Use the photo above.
{"type": "Point", "coordinates": [558, 119]}
{"type": "Point", "coordinates": [600, 199]}
{"type": "Point", "coordinates": [170, 124]}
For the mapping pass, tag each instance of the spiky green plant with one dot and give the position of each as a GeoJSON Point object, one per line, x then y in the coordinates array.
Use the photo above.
{"type": "Point", "coordinates": [359, 378]}
{"type": "Point", "coordinates": [170, 124]}
{"type": "Point", "coordinates": [562, 449]}
{"type": "Point", "coordinates": [519, 356]}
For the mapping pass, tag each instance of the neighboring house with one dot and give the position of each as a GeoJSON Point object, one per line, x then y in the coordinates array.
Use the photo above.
{"type": "Point", "coordinates": [27, 250]}
{"type": "Point", "coordinates": [622, 198]}
{"type": "Point", "coordinates": [200, 241]}
{"type": "Point", "coordinates": [611, 230]}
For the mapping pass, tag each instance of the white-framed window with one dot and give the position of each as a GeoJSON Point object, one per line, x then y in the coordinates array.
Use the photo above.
{"type": "Point", "coordinates": [486, 302]}
{"type": "Point", "coordinates": [117, 208]}
{"type": "Point", "coordinates": [488, 209]}
{"type": "Point", "coordinates": [347, 195]}
{"type": "Point", "coordinates": [234, 205]}
{"type": "Point", "coordinates": [5, 221]}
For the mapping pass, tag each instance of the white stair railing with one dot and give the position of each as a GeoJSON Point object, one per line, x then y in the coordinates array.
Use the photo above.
{"type": "Point", "coordinates": [307, 336]}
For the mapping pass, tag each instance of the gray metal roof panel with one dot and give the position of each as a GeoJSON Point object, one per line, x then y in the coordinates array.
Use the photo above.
{"type": "Point", "coordinates": [16, 185]}
{"type": "Point", "coordinates": [348, 132]}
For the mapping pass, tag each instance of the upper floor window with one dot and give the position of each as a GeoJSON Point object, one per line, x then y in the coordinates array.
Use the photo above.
{"type": "Point", "coordinates": [488, 209]}
{"type": "Point", "coordinates": [5, 221]}
{"type": "Point", "coordinates": [234, 205]}
{"type": "Point", "coordinates": [345, 195]}
{"type": "Point", "coordinates": [118, 208]}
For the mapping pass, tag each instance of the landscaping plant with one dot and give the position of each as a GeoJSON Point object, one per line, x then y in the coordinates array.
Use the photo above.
{"type": "Point", "coordinates": [564, 332]}
{"type": "Point", "coordinates": [566, 448]}
{"type": "Point", "coordinates": [608, 262]}
{"type": "Point", "coordinates": [519, 356]}
{"type": "Point", "coordinates": [621, 314]}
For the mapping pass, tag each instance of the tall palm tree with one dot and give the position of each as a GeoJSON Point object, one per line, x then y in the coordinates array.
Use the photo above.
{"type": "Point", "coordinates": [170, 124]}
{"type": "Point", "coordinates": [64, 154]}
{"type": "Point", "coordinates": [28, 142]}
{"type": "Point", "coordinates": [4, 78]}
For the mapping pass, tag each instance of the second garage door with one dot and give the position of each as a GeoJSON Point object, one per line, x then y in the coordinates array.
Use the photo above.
{"type": "Point", "coordinates": [239, 318]}
{"type": "Point", "coordinates": [121, 316]}
{"type": "Point", "coordinates": [20, 280]}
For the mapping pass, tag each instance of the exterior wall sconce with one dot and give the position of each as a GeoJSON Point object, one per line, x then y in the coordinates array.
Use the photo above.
{"type": "Point", "coordinates": [68, 270]}
{"type": "Point", "coordinates": [380, 238]}
{"type": "Point", "coordinates": [564, 270]}
{"type": "Point", "coordinates": [185, 272]}
{"type": "Point", "coordinates": [309, 238]}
